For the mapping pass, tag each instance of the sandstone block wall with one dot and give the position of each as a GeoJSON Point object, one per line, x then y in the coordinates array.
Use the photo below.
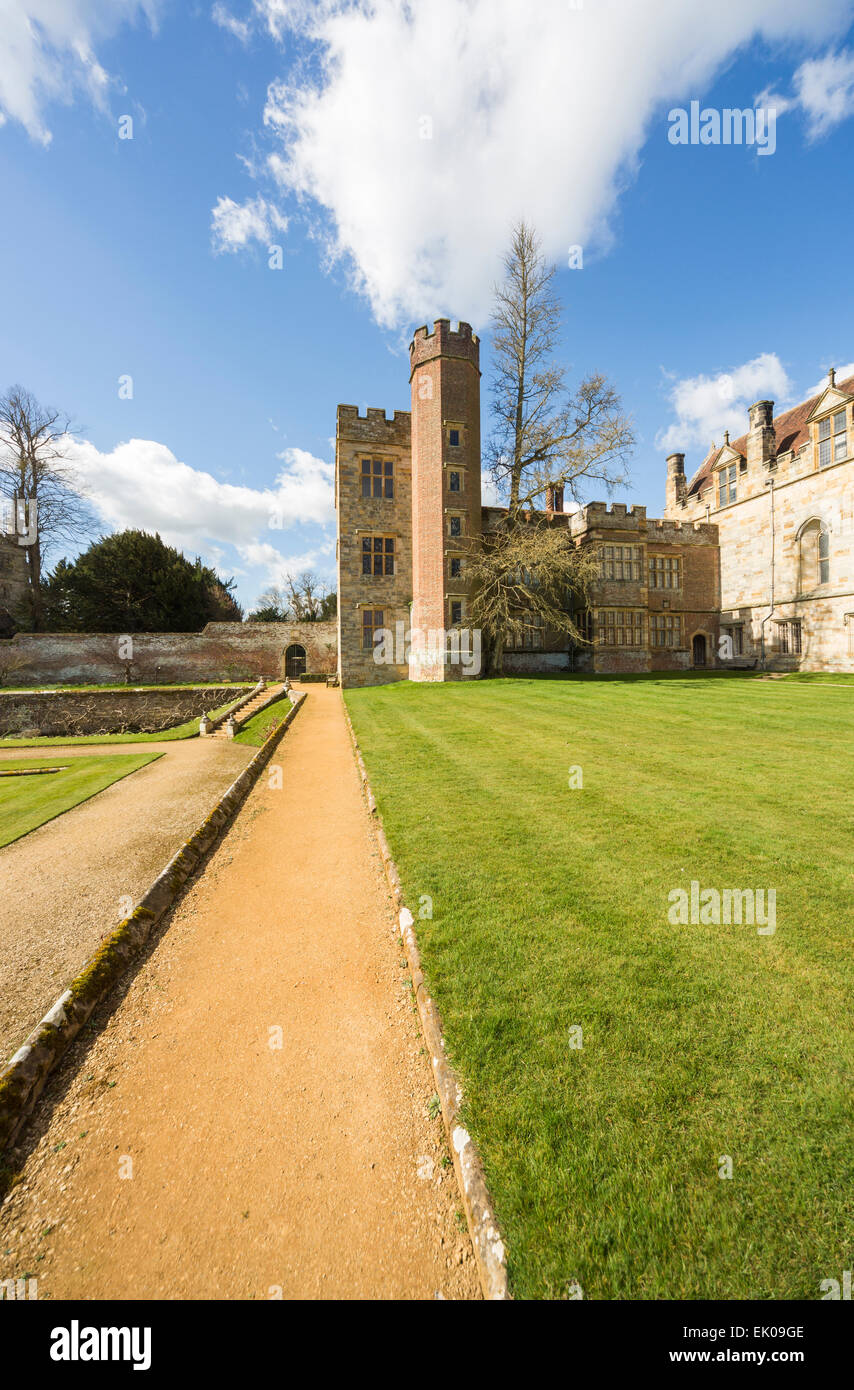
{"type": "Point", "coordinates": [696, 601]}
{"type": "Point", "coordinates": [802, 493]}
{"type": "Point", "coordinates": [372, 436]}
{"type": "Point", "coordinates": [13, 574]}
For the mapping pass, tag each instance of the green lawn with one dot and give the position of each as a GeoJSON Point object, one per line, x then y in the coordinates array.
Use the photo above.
{"type": "Point", "coordinates": [822, 677]}
{"type": "Point", "coordinates": [256, 729]}
{"type": "Point", "coordinates": [27, 802]}
{"type": "Point", "coordinates": [550, 912]}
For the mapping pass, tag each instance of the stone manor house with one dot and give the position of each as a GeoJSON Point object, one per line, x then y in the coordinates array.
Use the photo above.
{"type": "Point", "coordinates": [751, 564]}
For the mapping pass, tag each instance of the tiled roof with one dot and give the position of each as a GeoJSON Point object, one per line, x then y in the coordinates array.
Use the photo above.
{"type": "Point", "coordinates": [791, 428]}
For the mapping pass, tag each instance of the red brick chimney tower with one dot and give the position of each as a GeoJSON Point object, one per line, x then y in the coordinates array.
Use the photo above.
{"type": "Point", "coordinates": [446, 502]}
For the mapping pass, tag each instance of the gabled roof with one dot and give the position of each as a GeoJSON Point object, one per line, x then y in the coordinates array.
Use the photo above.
{"type": "Point", "coordinates": [791, 429]}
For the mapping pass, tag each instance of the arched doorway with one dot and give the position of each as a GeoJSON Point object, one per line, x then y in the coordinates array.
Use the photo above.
{"type": "Point", "coordinates": [295, 661]}
{"type": "Point", "coordinates": [699, 649]}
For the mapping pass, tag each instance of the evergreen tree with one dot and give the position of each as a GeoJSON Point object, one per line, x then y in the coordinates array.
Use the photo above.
{"type": "Point", "coordinates": [133, 582]}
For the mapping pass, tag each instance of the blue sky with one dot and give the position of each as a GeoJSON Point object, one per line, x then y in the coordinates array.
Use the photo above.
{"type": "Point", "coordinates": [712, 275]}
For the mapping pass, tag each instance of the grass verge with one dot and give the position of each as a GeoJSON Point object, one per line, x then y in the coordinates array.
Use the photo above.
{"type": "Point", "coordinates": [550, 913]}
{"type": "Point", "coordinates": [256, 729]}
{"type": "Point", "coordinates": [28, 802]}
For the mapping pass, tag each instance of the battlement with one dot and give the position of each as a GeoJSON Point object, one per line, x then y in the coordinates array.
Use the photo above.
{"type": "Point", "coordinates": [683, 532]}
{"type": "Point", "coordinates": [617, 516]}
{"type": "Point", "coordinates": [444, 341]}
{"type": "Point", "coordinates": [374, 427]}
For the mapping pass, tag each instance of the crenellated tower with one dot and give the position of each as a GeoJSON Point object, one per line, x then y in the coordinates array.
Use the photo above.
{"type": "Point", "coordinates": [446, 493]}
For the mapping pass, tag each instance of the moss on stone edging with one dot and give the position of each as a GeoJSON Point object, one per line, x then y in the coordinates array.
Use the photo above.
{"type": "Point", "coordinates": [24, 1075]}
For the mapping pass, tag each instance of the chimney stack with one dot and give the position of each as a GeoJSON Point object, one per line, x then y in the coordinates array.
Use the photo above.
{"type": "Point", "coordinates": [677, 487]}
{"type": "Point", "coordinates": [554, 498]}
{"type": "Point", "coordinates": [761, 437]}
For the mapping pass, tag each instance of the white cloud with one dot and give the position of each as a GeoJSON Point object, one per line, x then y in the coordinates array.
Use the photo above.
{"type": "Point", "coordinates": [235, 225]}
{"type": "Point", "coordinates": [141, 484]}
{"type": "Point", "coordinates": [275, 565]}
{"type": "Point", "coordinates": [705, 406]}
{"type": "Point", "coordinates": [47, 54]}
{"type": "Point", "coordinates": [490, 494]}
{"type": "Point", "coordinates": [518, 117]}
{"type": "Point", "coordinates": [240, 28]}
{"type": "Point", "coordinates": [280, 16]}
{"type": "Point", "coordinates": [823, 91]}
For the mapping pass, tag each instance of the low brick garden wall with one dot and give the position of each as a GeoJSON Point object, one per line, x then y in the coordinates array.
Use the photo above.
{"type": "Point", "coordinates": [61, 714]}
{"type": "Point", "coordinates": [222, 652]}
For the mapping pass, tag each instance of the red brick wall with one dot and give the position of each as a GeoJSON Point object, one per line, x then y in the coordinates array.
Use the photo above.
{"type": "Point", "coordinates": [445, 384]}
{"type": "Point", "coordinates": [222, 651]}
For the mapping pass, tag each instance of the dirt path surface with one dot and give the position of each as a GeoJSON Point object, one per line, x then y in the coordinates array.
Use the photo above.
{"type": "Point", "coordinates": [314, 1169]}
{"type": "Point", "coordinates": [63, 883]}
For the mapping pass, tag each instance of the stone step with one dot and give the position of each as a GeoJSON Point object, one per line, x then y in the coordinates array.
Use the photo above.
{"type": "Point", "coordinates": [249, 709]}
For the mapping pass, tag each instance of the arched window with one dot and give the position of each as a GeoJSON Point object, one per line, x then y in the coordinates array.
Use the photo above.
{"type": "Point", "coordinates": [824, 557]}
{"type": "Point", "coordinates": [814, 555]}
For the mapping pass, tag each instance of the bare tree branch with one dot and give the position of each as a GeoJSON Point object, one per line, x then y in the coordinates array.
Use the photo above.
{"type": "Point", "coordinates": [35, 467]}
{"type": "Point", "coordinates": [543, 436]}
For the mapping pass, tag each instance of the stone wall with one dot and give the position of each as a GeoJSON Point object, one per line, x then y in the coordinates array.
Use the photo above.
{"type": "Point", "coordinates": [695, 601]}
{"type": "Point", "coordinates": [535, 663]}
{"type": "Point", "coordinates": [825, 611]}
{"type": "Point", "coordinates": [788, 484]}
{"type": "Point", "coordinates": [371, 436]}
{"type": "Point", "coordinates": [221, 652]}
{"type": "Point", "coordinates": [13, 576]}
{"type": "Point", "coordinates": [52, 714]}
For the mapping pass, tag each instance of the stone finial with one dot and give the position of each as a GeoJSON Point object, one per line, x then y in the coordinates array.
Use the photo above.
{"type": "Point", "coordinates": [205, 725]}
{"type": "Point", "coordinates": [831, 376]}
{"type": "Point", "coordinates": [230, 726]}
{"type": "Point", "coordinates": [726, 436]}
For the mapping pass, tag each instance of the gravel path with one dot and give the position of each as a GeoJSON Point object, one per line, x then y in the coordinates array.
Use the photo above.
{"type": "Point", "coordinates": [61, 753]}
{"type": "Point", "coordinates": [62, 884]}
{"type": "Point", "coordinates": [177, 1154]}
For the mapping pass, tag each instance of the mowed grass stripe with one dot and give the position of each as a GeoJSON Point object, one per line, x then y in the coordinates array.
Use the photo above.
{"type": "Point", "coordinates": [550, 909]}
{"type": "Point", "coordinates": [28, 802]}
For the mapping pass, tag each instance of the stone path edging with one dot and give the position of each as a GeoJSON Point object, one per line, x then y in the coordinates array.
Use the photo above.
{"type": "Point", "coordinates": [489, 1251]}
{"type": "Point", "coordinates": [23, 1077]}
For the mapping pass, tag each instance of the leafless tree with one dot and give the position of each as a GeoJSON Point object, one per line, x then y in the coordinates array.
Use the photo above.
{"type": "Point", "coordinates": [305, 595]}
{"type": "Point", "coordinates": [301, 598]}
{"type": "Point", "coordinates": [12, 659]}
{"type": "Point", "coordinates": [35, 467]}
{"type": "Point", "coordinates": [543, 436]}
{"type": "Point", "coordinates": [542, 433]}
{"type": "Point", "coordinates": [534, 570]}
